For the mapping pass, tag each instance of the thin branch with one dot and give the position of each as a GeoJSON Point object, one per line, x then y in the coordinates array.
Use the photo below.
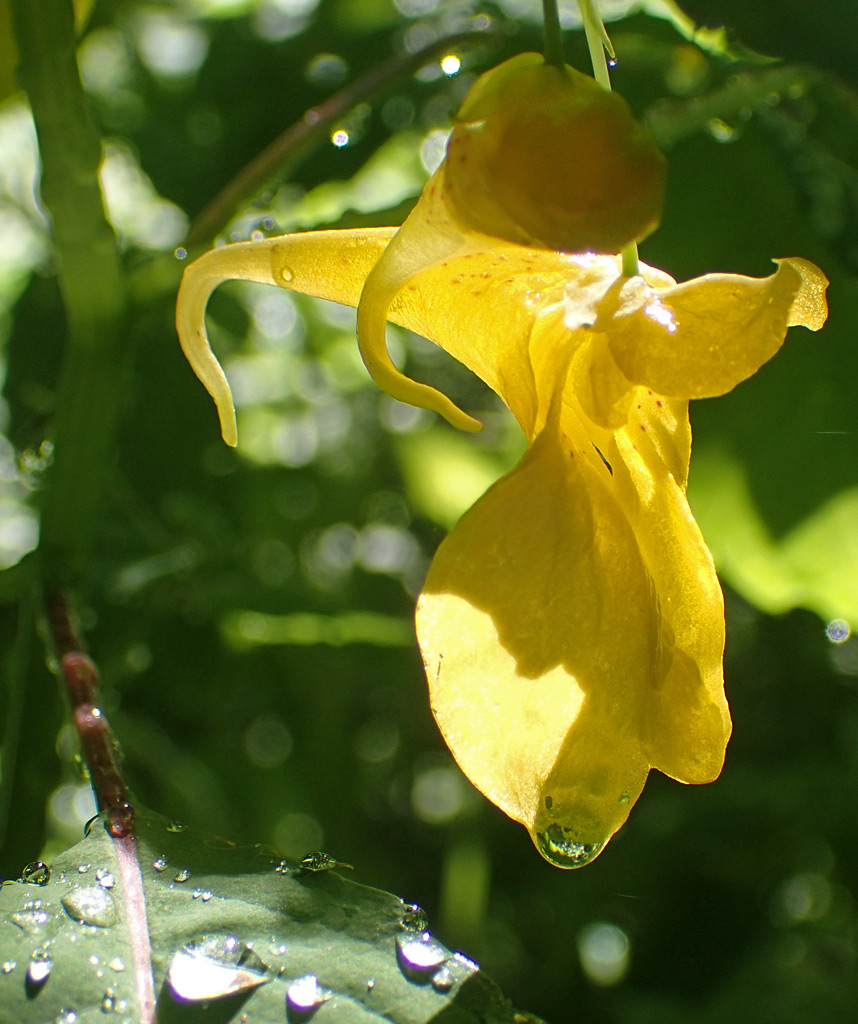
{"type": "Point", "coordinates": [281, 156]}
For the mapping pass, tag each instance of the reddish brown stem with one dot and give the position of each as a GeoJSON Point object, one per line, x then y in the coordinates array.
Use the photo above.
{"type": "Point", "coordinates": [100, 750]}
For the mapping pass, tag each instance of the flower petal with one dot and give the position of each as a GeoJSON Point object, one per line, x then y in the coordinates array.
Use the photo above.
{"type": "Point", "coordinates": [540, 631]}
{"type": "Point", "coordinates": [701, 338]}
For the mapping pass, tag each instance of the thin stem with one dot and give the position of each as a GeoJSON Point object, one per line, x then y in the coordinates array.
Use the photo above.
{"type": "Point", "coordinates": [280, 157]}
{"type": "Point", "coordinates": [600, 48]}
{"type": "Point", "coordinates": [99, 748]}
{"type": "Point", "coordinates": [553, 34]}
{"type": "Point", "coordinates": [91, 281]}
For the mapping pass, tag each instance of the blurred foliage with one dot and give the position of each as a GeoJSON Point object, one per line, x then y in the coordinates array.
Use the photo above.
{"type": "Point", "coordinates": [250, 610]}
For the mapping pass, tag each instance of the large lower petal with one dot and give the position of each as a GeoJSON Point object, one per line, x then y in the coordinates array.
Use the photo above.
{"type": "Point", "coordinates": [541, 632]}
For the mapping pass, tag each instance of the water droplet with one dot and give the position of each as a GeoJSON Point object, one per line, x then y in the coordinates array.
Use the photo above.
{"type": "Point", "coordinates": [420, 955]}
{"type": "Point", "coordinates": [93, 906]}
{"type": "Point", "coordinates": [83, 868]}
{"type": "Point", "coordinates": [444, 980]}
{"type": "Point", "coordinates": [105, 878]}
{"type": "Point", "coordinates": [288, 274]}
{"type": "Point", "coordinates": [215, 966]}
{"type": "Point", "coordinates": [116, 963]}
{"type": "Point", "coordinates": [202, 894]}
{"type": "Point", "coordinates": [721, 131]}
{"type": "Point", "coordinates": [38, 971]}
{"type": "Point", "coordinates": [559, 849]}
{"type": "Point", "coordinates": [177, 826]}
{"type": "Point", "coordinates": [66, 1017]}
{"type": "Point", "coordinates": [32, 917]}
{"type": "Point", "coordinates": [414, 917]}
{"type": "Point", "coordinates": [612, 62]}
{"type": "Point", "coordinates": [37, 873]}
{"type": "Point", "coordinates": [304, 996]}
{"type": "Point", "coordinates": [182, 875]}
{"type": "Point", "coordinates": [838, 631]}
{"type": "Point", "coordinates": [9, 966]}
{"type": "Point", "coordinates": [160, 864]}
{"type": "Point", "coordinates": [181, 253]}
{"type": "Point", "coordinates": [370, 984]}
{"type": "Point", "coordinates": [108, 1001]}
{"type": "Point", "coordinates": [318, 860]}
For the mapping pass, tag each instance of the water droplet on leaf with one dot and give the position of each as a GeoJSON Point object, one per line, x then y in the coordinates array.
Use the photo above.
{"type": "Point", "coordinates": [38, 971]}
{"type": "Point", "coordinates": [37, 873]}
{"type": "Point", "coordinates": [9, 966]}
{"type": "Point", "coordinates": [182, 875]}
{"type": "Point", "coordinates": [304, 996]}
{"type": "Point", "coordinates": [215, 966]}
{"type": "Point", "coordinates": [414, 917]}
{"type": "Point", "coordinates": [105, 878]}
{"type": "Point", "coordinates": [108, 1001]}
{"type": "Point", "coordinates": [177, 826]}
{"type": "Point", "coordinates": [443, 981]}
{"type": "Point", "coordinates": [32, 917]}
{"type": "Point", "coordinates": [420, 955]}
{"type": "Point", "coordinates": [116, 964]}
{"type": "Point", "coordinates": [559, 849]}
{"type": "Point", "coordinates": [93, 906]}
{"type": "Point", "coordinates": [160, 864]}
{"type": "Point", "coordinates": [318, 860]}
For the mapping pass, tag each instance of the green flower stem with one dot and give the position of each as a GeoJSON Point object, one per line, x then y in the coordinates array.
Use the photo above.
{"type": "Point", "coordinates": [600, 45]}
{"type": "Point", "coordinates": [279, 159]}
{"type": "Point", "coordinates": [90, 278]}
{"type": "Point", "coordinates": [553, 35]}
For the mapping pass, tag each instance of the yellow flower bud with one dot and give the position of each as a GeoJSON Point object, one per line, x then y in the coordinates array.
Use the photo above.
{"type": "Point", "coordinates": [544, 156]}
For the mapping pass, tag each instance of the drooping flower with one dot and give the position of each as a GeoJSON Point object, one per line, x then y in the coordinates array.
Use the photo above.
{"type": "Point", "coordinates": [572, 623]}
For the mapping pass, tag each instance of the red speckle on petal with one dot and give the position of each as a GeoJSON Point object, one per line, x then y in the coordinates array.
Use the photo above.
{"type": "Point", "coordinates": [659, 403]}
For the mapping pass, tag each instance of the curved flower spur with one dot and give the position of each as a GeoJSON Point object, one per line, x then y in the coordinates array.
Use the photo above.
{"type": "Point", "coordinates": [572, 623]}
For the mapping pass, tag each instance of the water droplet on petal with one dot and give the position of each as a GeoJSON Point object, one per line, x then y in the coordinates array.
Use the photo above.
{"type": "Point", "coordinates": [304, 996]}
{"type": "Point", "coordinates": [160, 864]}
{"type": "Point", "coordinates": [93, 906]}
{"type": "Point", "coordinates": [37, 873]}
{"type": "Point", "coordinates": [215, 966]}
{"type": "Point", "coordinates": [559, 849]}
{"type": "Point", "coordinates": [288, 274]}
{"type": "Point", "coordinates": [182, 875]}
{"type": "Point", "coordinates": [105, 878]}
{"type": "Point", "coordinates": [420, 955]}
{"type": "Point", "coordinates": [38, 971]}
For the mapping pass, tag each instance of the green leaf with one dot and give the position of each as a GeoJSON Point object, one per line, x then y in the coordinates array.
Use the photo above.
{"type": "Point", "coordinates": [220, 933]}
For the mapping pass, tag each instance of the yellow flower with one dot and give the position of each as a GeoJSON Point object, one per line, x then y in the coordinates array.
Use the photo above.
{"type": "Point", "coordinates": [571, 623]}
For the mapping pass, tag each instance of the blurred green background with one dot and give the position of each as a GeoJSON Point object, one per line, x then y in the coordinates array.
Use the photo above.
{"type": "Point", "coordinates": [250, 610]}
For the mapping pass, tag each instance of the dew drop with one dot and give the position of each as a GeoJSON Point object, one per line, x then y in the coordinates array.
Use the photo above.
{"type": "Point", "coordinates": [215, 966]}
{"type": "Point", "coordinates": [37, 873]}
{"type": "Point", "coordinates": [108, 1001]}
{"type": "Point", "coordinates": [182, 875]}
{"type": "Point", "coordinates": [66, 1017]}
{"type": "Point", "coordinates": [304, 996]}
{"type": "Point", "coordinates": [9, 966]}
{"type": "Point", "coordinates": [559, 849]}
{"type": "Point", "coordinates": [420, 956]}
{"type": "Point", "coordinates": [612, 62]}
{"type": "Point", "coordinates": [38, 971]}
{"type": "Point", "coordinates": [83, 868]}
{"type": "Point", "coordinates": [370, 984]}
{"type": "Point", "coordinates": [443, 980]}
{"type": "Point", "coordinates": [93, 906]}
{"type": "Point", "coordinates": [414, 917]}
{"type": "Point", "coordinates": [32, 917]}
{"type": "Point", "coordinates": [838, 631]}
{"type": "Point", "coordinates": [116, 963]}
{"type": "Point", "coordinates": [288, 274]}
{"type": "Point", "coordinates": [160, 864]}
{"type": "Point", "coordinates": [318, 860]}
{"type": "Point", "coordinates": [105, 878]}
